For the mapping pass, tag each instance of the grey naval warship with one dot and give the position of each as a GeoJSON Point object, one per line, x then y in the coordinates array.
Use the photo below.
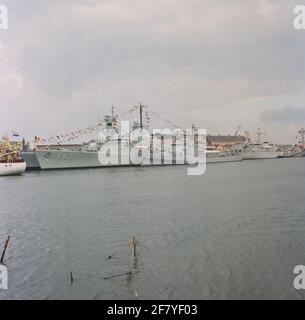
{"type": "Point", "coordinates": [86, 155]}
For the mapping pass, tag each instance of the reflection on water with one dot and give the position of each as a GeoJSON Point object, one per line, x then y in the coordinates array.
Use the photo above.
{"type": "Point", "coordinates": [235, 232]}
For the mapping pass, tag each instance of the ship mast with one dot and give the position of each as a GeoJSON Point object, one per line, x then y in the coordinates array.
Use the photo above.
{"type": "Point", "coordinates": [141, 115]}
{"type": "Point", "coordinates": [112, 111]}
{"type": "Point", "coordinates": [141, 106]}
{"type": "Point", "coordinates": [114, 117]}
{"type": "Point", "coordinates": [259, 135]}
{"type": "Point", "coordinates": [301, 133]}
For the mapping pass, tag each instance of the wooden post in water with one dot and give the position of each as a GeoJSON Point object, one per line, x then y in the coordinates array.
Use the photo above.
{"type": "Point", "coordinates": [71, 278]}
{"type": "Point", "coordinates": [4, 249]}
{"type": "Point", "coordinates": [134, 243]}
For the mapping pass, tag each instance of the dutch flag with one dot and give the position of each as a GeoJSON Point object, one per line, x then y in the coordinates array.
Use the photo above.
{"type": "Point", "coordinates": [15, 134]}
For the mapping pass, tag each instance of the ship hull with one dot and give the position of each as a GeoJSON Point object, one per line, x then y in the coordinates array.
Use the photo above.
{"type": "Point", "coordinates": [208, 160]}
{"type": "Point", "coordinates": [224, 159]}
{"type": "Point", "coordinates": [11, 169]}
{"type": "Point", "coordinates": [260, 155]}
{"type": "Point", "coordinates": [286, 156]}
{"type": "Point", "coordinates": [31, 160]}
{"type": "Point", "coordinates": [300, 154]}
{"type": "Point", "coordinates": [62, 159]}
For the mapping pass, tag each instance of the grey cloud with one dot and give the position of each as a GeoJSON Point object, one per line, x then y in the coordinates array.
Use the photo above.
{"type": "Point", "coordinates": [184, 58]}
{"type": "Point", "coordinates": [287, 114]}
{"type": "Point", "coordinates": [67, 45]}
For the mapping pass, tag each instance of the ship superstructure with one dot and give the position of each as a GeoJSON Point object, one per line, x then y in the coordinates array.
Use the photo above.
{"type": "Point", "coordinates": [301, 143]}
{"type": "Point", "coordinates": [255, 148]}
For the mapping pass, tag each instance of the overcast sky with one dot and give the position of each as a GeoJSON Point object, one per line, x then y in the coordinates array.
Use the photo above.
{"type": "Point", "coordinates": [218, 63]}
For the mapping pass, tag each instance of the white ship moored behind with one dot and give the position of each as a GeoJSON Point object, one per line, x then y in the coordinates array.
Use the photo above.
{"type": "Point", "coordinates": [259, 150]}
{"type": "Point", "coordinates": [215, 156]}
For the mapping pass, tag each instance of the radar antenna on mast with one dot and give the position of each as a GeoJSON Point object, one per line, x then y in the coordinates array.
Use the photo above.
{"type": "Point", "coordinates": [259, 135]}
{"type": "Point", "coordinates": [141, 106]}
{"type": "Point", "coordinates": [301, 134]}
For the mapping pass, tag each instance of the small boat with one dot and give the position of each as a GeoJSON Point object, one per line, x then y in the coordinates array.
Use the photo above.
{"type": "Point", "coordinates": [10, 168]}
{"type": "Point", "coordinates": [10, 161]}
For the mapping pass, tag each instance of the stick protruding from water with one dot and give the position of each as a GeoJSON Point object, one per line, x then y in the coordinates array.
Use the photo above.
{"type": "Point", "coordinates": [134, 244]}
{"type": "Point", "coordinates": [4, 249]}
{"type": "Point", "coordinates": [71, 278]}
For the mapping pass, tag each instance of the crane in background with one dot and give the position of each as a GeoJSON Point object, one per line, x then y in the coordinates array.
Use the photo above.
{"type": "Point", "coordinates": [237, 131]}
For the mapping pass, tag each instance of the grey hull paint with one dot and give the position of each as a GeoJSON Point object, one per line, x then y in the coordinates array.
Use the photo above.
{"type": "Point", "coordinates": [256, 155]}
{"type": "Point", "coordinates": [31, 160]}
{"type": "Point", "coordinates": [63, 159]}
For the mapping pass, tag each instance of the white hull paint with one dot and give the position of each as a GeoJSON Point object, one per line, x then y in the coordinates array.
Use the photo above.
{"type": "Point", "coordinates": [10, 169]}
{"type": "Point", "coordinates": [224, 159]}
{"type": "Point", "coordinates": [300, 154]}
{"type": "Point", "coordinates": [220, 159]}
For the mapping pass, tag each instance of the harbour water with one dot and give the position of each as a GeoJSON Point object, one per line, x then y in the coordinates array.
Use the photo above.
{"type": "Point", "coordinates": [235, 232]}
